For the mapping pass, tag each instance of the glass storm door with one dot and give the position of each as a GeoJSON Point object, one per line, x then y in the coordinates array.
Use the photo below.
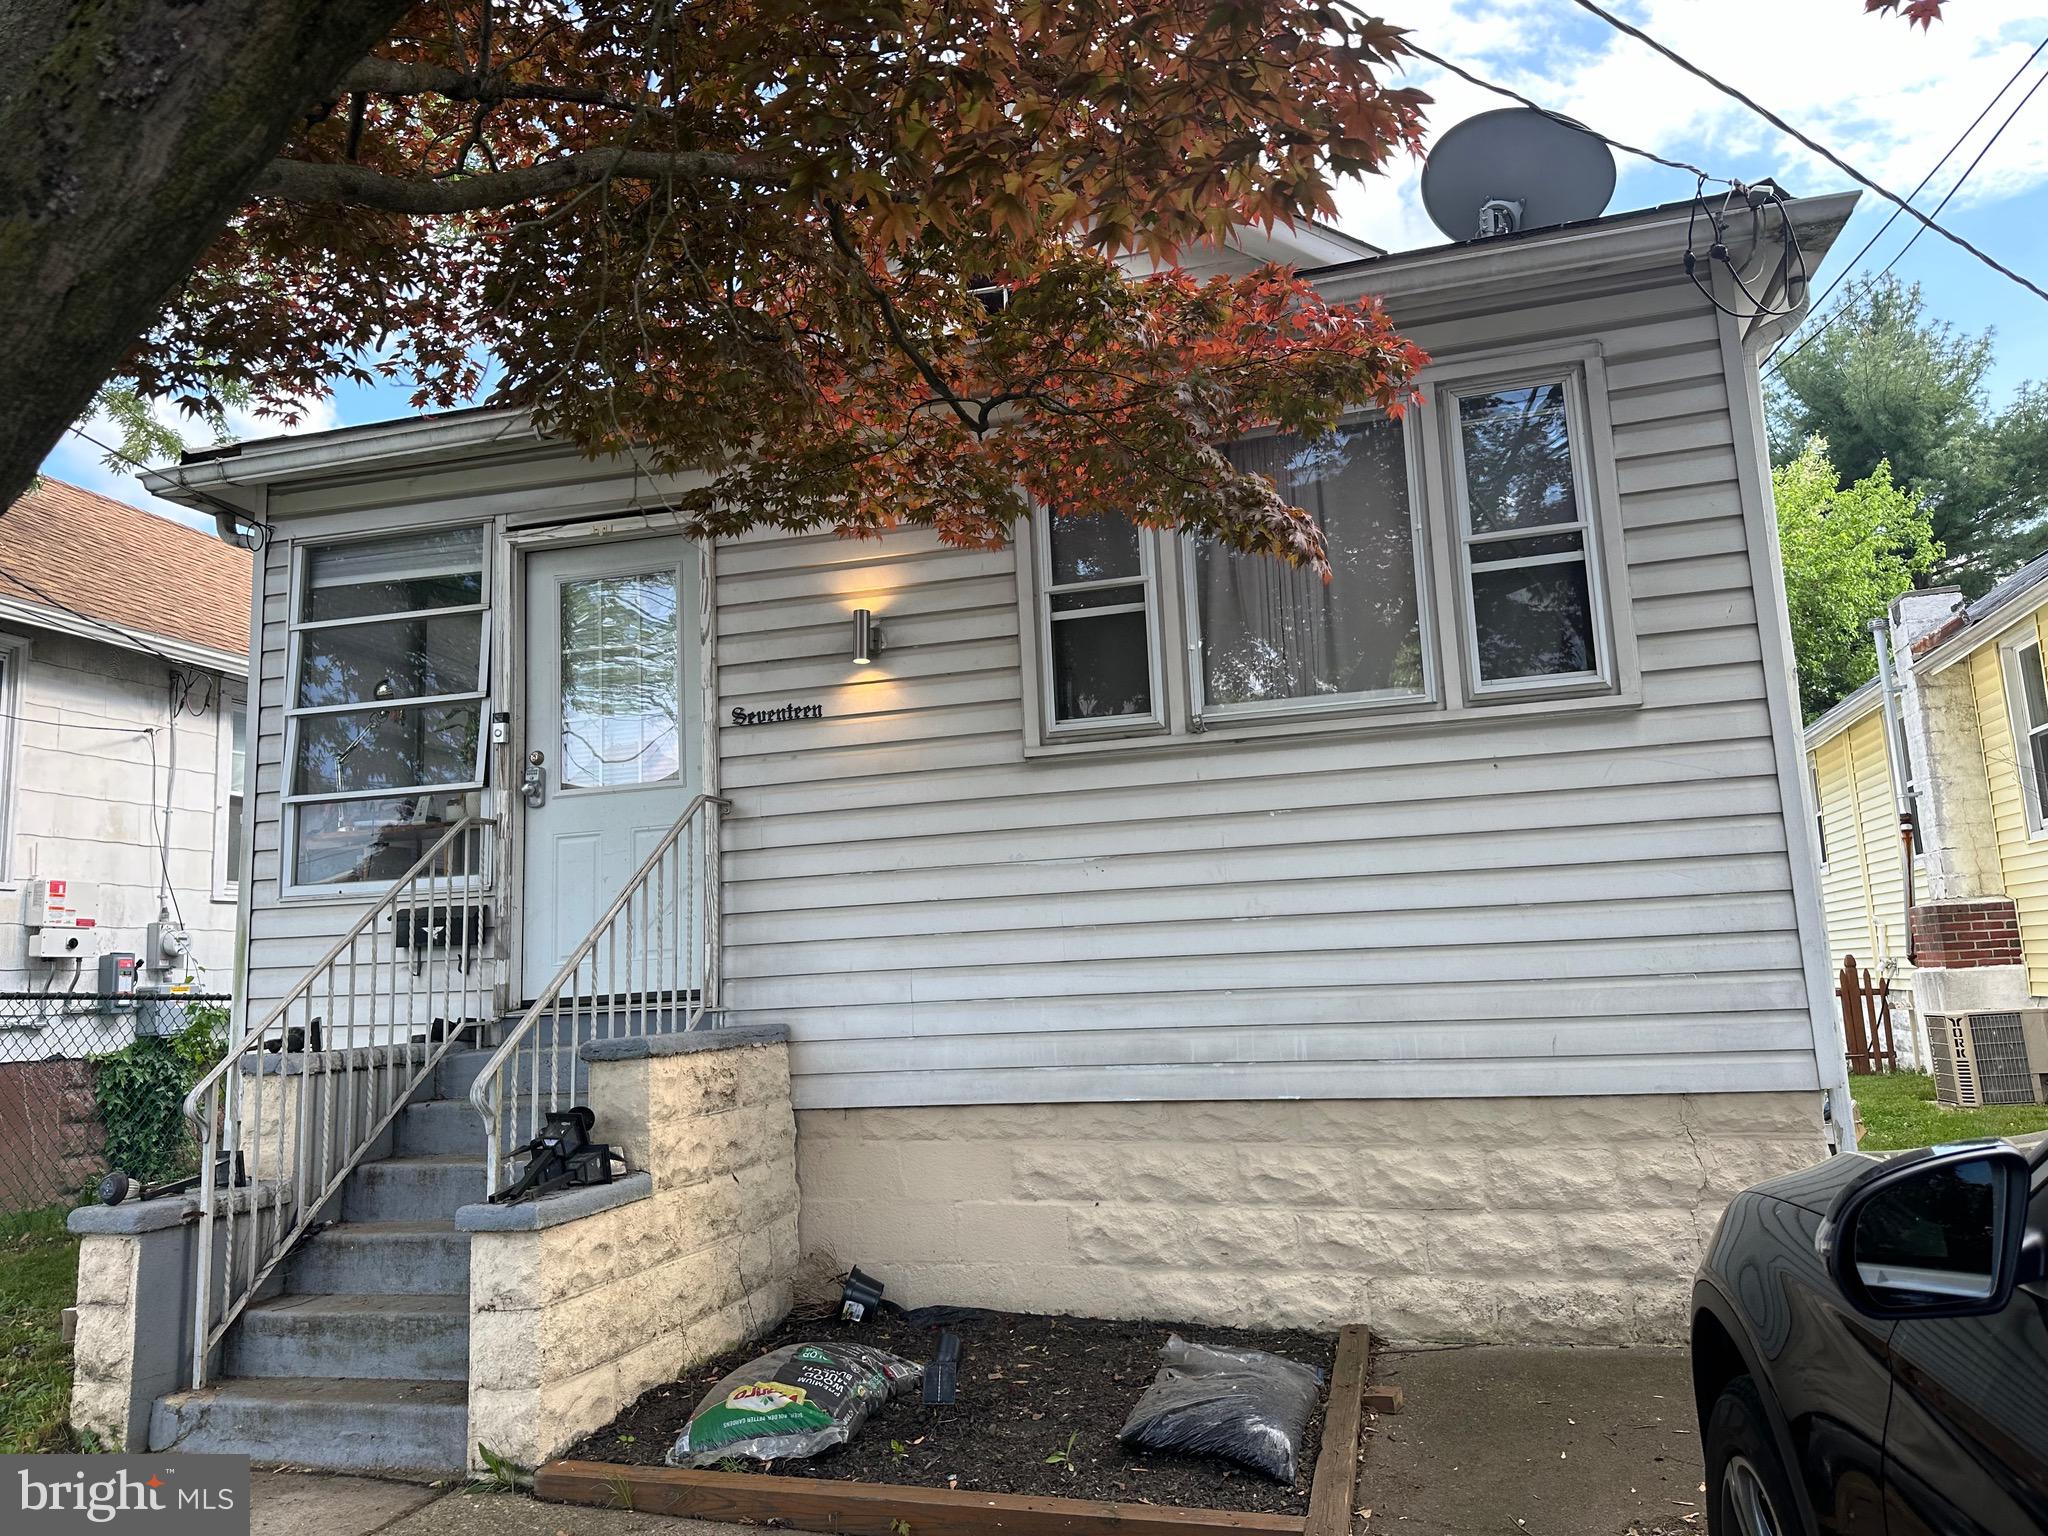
{"type": "Point", "coordinates": [613, 739]}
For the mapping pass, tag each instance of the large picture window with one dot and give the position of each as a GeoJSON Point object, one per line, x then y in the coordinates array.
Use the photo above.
{"type": "Point", "coordinates": [1096, 608]}
{"type": "Point", "coordinates": [385, 724]}
{"type": "Point", "coordinates": [1276, 636]}
{"type": "Point", "coordinates": [1532, 586]}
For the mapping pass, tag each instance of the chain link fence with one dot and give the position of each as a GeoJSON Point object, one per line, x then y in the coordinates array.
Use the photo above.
{"type": "Point", "coordinates": [90, 1082]}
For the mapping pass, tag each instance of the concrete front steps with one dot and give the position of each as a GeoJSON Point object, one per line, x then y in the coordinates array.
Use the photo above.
{"type": "Point", "coordinates": [360, 1362]}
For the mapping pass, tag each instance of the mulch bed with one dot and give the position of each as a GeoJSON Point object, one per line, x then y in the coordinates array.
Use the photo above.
{"type": "Point", "coordinates": [1031, 1389]}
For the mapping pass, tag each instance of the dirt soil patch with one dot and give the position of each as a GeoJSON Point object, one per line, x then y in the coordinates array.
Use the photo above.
{"type": "Point", "coordinates": [1040, 1402]}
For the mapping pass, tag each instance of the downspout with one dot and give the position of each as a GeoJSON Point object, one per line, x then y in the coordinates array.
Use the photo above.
{"type": "Point", "coordinates": [1901, 766]}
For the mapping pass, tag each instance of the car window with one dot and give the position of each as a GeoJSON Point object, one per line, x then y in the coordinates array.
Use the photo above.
{"type": "Point", "coordinates": [1930, 1233]}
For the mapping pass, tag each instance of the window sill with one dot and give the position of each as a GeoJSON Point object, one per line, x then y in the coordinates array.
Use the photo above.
{"type": "Point", "coordinates": [1240, 730]}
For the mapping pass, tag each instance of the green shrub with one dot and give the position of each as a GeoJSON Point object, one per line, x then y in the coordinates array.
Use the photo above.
{"type": "Point", "coordinates": [140, 1093]}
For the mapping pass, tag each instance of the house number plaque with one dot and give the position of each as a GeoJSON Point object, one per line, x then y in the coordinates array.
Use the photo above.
{"type": "Point", "coordinates": [777, 715]}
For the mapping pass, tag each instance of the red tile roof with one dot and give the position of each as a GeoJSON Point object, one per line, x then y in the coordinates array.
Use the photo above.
{"type": "Point", "coordinates": [62, 547]}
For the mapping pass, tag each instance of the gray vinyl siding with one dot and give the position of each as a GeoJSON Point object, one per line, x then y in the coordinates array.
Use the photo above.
{"type": "Point", "coordinates": [1584, 902]}
{"type": "Point", "coordinates": [1594, 901]}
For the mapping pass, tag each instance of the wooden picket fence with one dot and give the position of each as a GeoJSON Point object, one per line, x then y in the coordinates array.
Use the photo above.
{"type": "Point", "coordinates": [1866, 1018]}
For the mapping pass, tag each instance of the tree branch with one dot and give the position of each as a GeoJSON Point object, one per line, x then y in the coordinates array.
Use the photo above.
{"type": "Point", "coordinates": [308, 181]}
{"type": "Point", "coordinates": [393, 77]}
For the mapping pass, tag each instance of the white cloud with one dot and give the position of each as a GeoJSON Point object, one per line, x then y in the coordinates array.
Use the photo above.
{"type": "Point", "coordinates": [1887, 98]}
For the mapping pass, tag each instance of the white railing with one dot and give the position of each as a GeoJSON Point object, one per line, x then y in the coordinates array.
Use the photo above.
{"type": "Point", "coordinates": [648, 965]}
{"type": "Point", "coordinates": [308, 1092]}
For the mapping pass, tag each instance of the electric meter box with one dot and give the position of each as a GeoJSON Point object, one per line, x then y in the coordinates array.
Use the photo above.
{"type": "Point", "coordinates": [56, 903]}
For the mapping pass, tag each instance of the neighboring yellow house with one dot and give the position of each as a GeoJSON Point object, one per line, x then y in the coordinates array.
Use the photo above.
{"type": "Point", "coordinates": [1959, 753]}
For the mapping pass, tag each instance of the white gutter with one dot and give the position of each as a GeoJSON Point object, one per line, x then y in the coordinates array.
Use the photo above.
{"type": "Point", "coordinates": [14, 610]}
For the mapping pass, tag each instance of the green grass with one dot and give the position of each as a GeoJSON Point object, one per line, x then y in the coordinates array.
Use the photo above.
{"type": "Point", "coordinates": [38, 1279]}
{"type": "Point", "coordinates": [1898, 1111]}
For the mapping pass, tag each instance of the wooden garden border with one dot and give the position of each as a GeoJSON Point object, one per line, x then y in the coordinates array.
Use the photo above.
{"type": "Point", "coordinates": [885, 1509]}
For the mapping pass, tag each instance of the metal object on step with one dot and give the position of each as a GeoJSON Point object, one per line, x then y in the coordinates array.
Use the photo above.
{"type": "Point", "coordinates": [942, 1376]}
{"type": "Point", "coordinates": [457, 930]}
{"type": "Point", "coordinates": [863, 1294]}
{"type": "Point", "coordinates": [562, 1156]}
{"type": "Point", "coordinates": [116, 1186]}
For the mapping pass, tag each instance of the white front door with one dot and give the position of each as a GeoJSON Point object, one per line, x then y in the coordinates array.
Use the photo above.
{"type": "Point", "coordinates": [612, 728]}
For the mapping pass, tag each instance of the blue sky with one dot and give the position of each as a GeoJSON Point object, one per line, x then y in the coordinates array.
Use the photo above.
{"type": "Point", "coordinates": [1887, 98]}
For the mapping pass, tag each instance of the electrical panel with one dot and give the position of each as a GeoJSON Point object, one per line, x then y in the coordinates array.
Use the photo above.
{"type": "Point", "coordinates": [57, 903]}
{"type": "Point", "coordinates": [64, 943]}
{"type": "Point", "coordinates": [117, 980]}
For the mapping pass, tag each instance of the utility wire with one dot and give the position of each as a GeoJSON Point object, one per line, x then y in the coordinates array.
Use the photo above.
{"type": "Point", "coordinates": [1462, 73]}
{"type": "Point", "coordinates": [1845, 307]}
{"type": "Point", "coordinates": [1933, 171]}
{"type": "Point", "coordinates": [236, 513]}
{"type": "Point", "coordinates": [1814, 145]}
{"type": "Point", "coordinates": [128, 636]}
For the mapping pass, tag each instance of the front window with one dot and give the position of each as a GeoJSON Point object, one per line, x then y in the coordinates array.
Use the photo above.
{"type": "Point", "coordinates": [1531, 581]}
{"type": "Point", "coordinates": [1277, 635]}
{"type": "Point", "coordinates": [386, 718]}
{"type": "Point", "coordinates": [2028, 698]}
{"type": "Point", "coordinates": [1096, 608]}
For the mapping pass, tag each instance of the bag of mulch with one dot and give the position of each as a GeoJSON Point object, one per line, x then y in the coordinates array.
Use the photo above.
{"type": "Point", "coordinates": [1241, 1404]}
{"type": "Point", "coordinates": [792, 1402]}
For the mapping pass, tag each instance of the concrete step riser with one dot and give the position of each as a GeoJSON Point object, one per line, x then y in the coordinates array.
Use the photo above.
{"type": "Point", "coordinates": [390, 1437]}
{"type": "Point", "coordinates": [345, 1260]}
{"type": "Point", "coordinates": [439, 1129]}
{"type": "Point", "coordinates": [412, 1191]}
{"type": "Point", "coordinates": [462, 1068]}
{"type": "Point", "coordinates": [385, 1344]}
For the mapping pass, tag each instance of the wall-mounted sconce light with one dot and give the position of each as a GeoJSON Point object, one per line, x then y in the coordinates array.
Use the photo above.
{"type": "Point", "coordinates": [867, 637]}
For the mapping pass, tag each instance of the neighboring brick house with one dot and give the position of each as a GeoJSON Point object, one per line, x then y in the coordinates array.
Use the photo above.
{"type": "Point", "coordinates": [1946, 772]}
{"type": "Point", "coordinates": [124, 641]}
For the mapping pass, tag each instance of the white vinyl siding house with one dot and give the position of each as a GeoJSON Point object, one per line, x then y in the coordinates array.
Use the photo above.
{"type": "Point", "coordinates": [1113, 829]}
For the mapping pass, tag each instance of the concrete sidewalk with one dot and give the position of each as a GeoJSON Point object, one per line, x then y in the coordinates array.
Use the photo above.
{"type": "Point", "coordinates": [1540, 1442]}
{"type": "Point", "coordinates": [1545, 1442]}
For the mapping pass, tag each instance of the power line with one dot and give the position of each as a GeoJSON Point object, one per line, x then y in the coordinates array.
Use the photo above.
{"type": "Point", "coordinates": [219, 506]}
{"type": "Point", "coordinates": [1932, 172]}
{"type": "Point", "coordinates": [1812, 144]}
{"type": "Point", "coordinates": [1818, 331]}
{"type": "Point", "coordinates": [1570, 122]}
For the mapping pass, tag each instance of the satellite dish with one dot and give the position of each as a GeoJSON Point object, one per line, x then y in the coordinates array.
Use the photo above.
{"type": "Point", "coordinates": [1515, 169]}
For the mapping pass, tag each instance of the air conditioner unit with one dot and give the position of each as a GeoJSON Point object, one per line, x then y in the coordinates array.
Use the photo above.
{"type": "Point", "coordinates": [1989, 1058]}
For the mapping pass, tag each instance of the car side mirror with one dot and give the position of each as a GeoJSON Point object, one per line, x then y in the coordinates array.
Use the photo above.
{"type": "Point", "coordinates": [1934, 1233]}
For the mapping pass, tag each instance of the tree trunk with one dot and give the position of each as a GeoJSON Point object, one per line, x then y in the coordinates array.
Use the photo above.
{"type": "Point", "coordinates": [130, 131]}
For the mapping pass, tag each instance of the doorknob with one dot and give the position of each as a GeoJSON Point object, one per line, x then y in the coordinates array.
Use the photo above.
{"type": "Point", "coordinates": [533, 784]}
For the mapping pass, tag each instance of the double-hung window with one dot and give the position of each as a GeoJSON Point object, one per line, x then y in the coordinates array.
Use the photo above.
{"type": "Point", "coordinates": [2027, 697]}
{"type": "Point", "coordinates": [1276, 637]}
{"type": "Point", "coordinates": [1533, 604]}
{"type": "Point", "coordinates": [385, 722]}
{"type": "Point", "coordinates": [1097, 610]}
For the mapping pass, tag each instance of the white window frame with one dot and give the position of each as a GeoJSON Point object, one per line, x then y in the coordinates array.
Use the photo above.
{"type": "Point", "coordinates": [14, 655]}
{"type": "Point", "coordinates": [1203, 714]}
{"type": "Point", "coordinates": [1044, 589]}
{"type": "Point", "coordinates": [302, 554]}
{"type": "Point", "coordinates": [234, 695]}
{"type": "Point", "coordinates": [1579, 428]}
{"type": "Point", "coordinates": [2023, 729]}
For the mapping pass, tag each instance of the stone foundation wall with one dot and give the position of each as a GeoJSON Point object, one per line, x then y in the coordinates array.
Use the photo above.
{"type": "Point", "coordinates": [579, 1303]}
{"type": "Point", "coordinates": [1447, 1220]}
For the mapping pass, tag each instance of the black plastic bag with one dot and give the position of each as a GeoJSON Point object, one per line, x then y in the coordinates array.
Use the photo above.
{"type": "Point", "coordinates": [1241, 1404]}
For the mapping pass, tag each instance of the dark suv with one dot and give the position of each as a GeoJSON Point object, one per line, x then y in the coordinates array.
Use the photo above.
{"type": "Point", "coordinates": [1870, 1348]}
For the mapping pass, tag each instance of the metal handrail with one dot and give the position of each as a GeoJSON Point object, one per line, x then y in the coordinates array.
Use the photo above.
{"type": "Point", "coordinates": [320, 1136]}
{"type": "Point", "coordinates": [663, 987]}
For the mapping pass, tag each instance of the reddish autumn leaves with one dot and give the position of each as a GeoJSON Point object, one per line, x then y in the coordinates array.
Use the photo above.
{"type": "Point", "coordinates": [858, 261]}
{"type": "Point", "coordinates": [1918, 13]}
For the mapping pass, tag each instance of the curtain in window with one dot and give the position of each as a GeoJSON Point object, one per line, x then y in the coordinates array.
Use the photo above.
{"type": "Point", "coordinates": [1274, 631]}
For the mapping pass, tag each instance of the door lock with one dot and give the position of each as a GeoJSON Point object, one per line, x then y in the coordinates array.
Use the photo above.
{"type": "Point", "coordinates": [533, 784]}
